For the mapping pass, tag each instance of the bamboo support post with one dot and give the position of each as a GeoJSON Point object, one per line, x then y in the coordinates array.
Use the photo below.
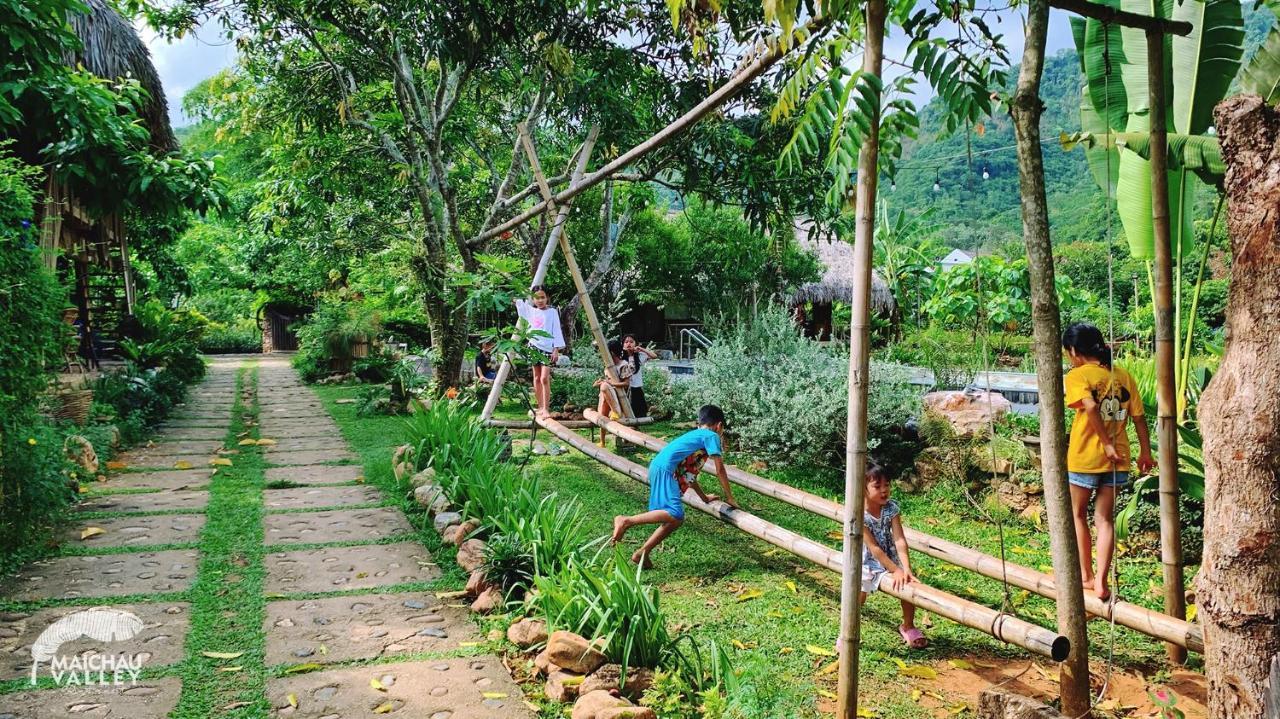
{"type": "Point", "coordinates": [1005, 627]}
{"type": "Point", "coordinates": [1137, 618]}
{"type": "Point", "coordinates": [1166, 376]}
{"type": "Point", "coordinates": [619, 399]}
{"type": "Point", "coordinates": [544, 263]}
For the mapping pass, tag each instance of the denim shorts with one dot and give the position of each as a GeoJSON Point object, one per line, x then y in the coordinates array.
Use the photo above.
{"type": "Point", "coordinates": [1094, 480]}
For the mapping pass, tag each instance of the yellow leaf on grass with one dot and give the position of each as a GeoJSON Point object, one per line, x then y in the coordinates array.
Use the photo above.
{"type": "Point", "coordinates": [829, 668]}
{"type": "Point", "coordinates": [293, 700]}
{"type": "Point", "coordinates": [300, 668]}
{"type": "Point", "coordinates": [90, 532]}
{"type": "Point", "coordinates": [377, 685]}
{"type": "Point", "coordinates": [958, 709]}
{"type": "Point", "coordinates": [785, 650]}
{"type": "Point", "coordinates": [771, 552]}
{"type": "Point", "coordinates": [384, 708]}
{"type": "Point", "coordinates": [866, 713]}
{"type": "Point", "coordinates": [231, 669]}
{"type": "Point", "coordinates": [265, 442]}
{"type": "Point", "coordinates": [792, 586]}
{"type": "Point", "coordinates": [494, 695]}
{"type": "Point", "coordinates": [918, 671]}
{"type": "Point", "coordinates": [182, 464]}
{"type": "Point", "coordinates": [247, 442]}
{"type": "Point", "coordinates": [916, 694]}
{"type": "Point", "coordinates": [113, 465]}
{"type": "Point", "coordinates": [827, 694]}
{"type": "Point", "coordinates": [223, 655]}
{"type": "Point", "coordinates": [749, 594]}
{"type": "Point", "coordinates": [1046, 568]}
{"type": "Point", "coordinates": [220, 462]}
{"type": "Point", "coordinates": [776, 615]}
{"type": "Point", "coordinates": [468, 644]}
{"type": "Point", "coordinates": [819, 651]}
{"type": "Point", "coordinates": [960, 664]}
{"type": "Point", "coordinates": [738, 644]}
{"type": "Point", "coordinates": [835, 535]}
{"type": "Point", "coordinates": [1191, 612]}
{"type": "Point", "coordinates": [1020, 550]}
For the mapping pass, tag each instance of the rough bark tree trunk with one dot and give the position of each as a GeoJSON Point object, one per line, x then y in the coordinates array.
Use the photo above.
{"type": "Point", "coordinates": [1047, 328]}
{"type": "Point", "coordinates": [1239, 584]}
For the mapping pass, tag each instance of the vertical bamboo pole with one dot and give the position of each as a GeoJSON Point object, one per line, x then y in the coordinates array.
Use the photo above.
{"type": "Point", "coordinates": [859, 379]}
{"type": "Point", "coordinates": [544, 263]}
{"type": "Point", "coordinates": [619, 399]}
{"type": "Point", "coordinates": [1046, 320]}
{"type": "Point", "coordinates": [1166, 378]}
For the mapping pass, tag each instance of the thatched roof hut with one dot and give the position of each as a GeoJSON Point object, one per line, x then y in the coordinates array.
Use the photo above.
{"type": "Point", "coordinates": [112, 50]}
{"type": "Point", "coordinates": [836, 284]}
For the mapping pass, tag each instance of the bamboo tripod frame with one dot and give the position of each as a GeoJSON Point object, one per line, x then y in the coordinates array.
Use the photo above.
{"type": "Point", "coordinates": [1140, 619]}
{"type": "Point", "coordinates": [1031, 637]}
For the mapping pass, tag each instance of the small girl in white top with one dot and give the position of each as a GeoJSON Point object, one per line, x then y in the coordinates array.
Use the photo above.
{"type": "Point", "coordinates": [547, 319]}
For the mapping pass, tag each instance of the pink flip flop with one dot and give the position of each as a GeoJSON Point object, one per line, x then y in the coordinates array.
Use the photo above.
{"type": "Point", "coordinates": [913, 637]}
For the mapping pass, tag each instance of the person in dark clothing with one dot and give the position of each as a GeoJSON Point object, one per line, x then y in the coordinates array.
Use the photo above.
{"type": "Point", "coordinates": [485, 371]}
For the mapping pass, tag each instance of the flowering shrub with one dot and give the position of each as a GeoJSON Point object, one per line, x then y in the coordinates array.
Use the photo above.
{"type": "Point", "coordinates": [785, 395]}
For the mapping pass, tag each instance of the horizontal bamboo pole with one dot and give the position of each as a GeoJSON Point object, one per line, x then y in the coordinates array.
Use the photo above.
{"type": "Point", "coordinates": [570, 423]}
{"type": "Point", "coordinates": [1126, 614]}
{"type": "Point", "coordinates": [1002, 626]}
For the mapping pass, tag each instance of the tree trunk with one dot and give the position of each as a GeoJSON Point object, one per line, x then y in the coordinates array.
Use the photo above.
{"type": "Point", "coordinates": [1047, 328]}
{"type": "Point", "coordinates": [855, 453]}
{"type": "Point", "coordinates": [1239, 584]}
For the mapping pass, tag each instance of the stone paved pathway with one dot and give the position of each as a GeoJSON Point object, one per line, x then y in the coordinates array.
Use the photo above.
{"type": "Point", "coordinates": [312, 495]}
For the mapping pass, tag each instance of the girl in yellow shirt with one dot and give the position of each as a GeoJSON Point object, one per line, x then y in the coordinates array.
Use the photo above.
{"type": "Point", "coordinates": [1104, 397]}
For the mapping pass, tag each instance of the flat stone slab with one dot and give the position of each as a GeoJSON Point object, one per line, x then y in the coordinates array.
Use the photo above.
{"type": "Point", "coordinates": [316, 497]}
{"type": "Point", "coordinates": [186, 446]}
{"type": "Point", "coordinates": [311, 456]}
{"type": "Point", "coordinates": [160, 643]}
{"type": "Point", "coordinates": [339, 525]}
{"type": "Point", "coordinates": [137, 531]}
{"type": "Point", "coordinates": [336, 568]}
{"type": "Point", "coordinates": [153, 699]}
{"type": "Point", "coordinates": [175, 479]}
{"type": "Point", "coordinates": [477, 688]}
{"type": "Point", "coordinates": [305, 444]}
{"type": "Point", "coordinates": [320, 428]}
{"type": "Point", "coordinates": [362, 627]}
{"type": "Point", "coordinates": [186, 500]}
{"type": "Point", "coordinates": [112, 575]}
{"type": "Point", "coordinates": [315, 474]}
{"type": "Point", "coordinates": [222, 423]}
{"type": "Point", "coordinates": [186, 434]}
{"type": "Point", "coordinates": [166, 460]}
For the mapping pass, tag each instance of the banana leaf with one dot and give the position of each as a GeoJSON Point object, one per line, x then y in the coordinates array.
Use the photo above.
{"type": "Point", "coordinates": [1201, 154]}
{"type": "Point", "coordinates": [1262, 75]}
{"type": "Point", "coordinates": [1204, 62]}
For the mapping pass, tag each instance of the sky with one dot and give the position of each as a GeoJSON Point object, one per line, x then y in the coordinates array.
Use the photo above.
{"type": "Point", "coordinates": [184, 63]}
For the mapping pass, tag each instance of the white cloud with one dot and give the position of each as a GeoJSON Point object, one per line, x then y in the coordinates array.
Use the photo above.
{"type": "Point", "coordinates": [184, 63]}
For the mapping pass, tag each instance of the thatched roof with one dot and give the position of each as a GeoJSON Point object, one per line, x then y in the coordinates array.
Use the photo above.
{"type": "Point", "coordinates": [836, 284]}
{"type": "Point", "coordinates": [112, 50]}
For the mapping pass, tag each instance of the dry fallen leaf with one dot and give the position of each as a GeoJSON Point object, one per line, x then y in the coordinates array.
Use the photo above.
{"type": "Point", "coordinates": [494, 695]}
{"type": "Point", "coordinates": [829, 668]}
{"type": "Point", "coordinates": [377, 685]}
{"type": "Point", "coordinates": [819, 651]}
{"type": "Point", "coordinates": [247, 442]}
{"type": "Point", "coordinates": [113, 465]}
{"type": "Point", "coordinates": [749, 594]}
{"type": "Point", "coordinates": [1191, 612]}
{"type": "Point", "coordinates": [915, 670]}
{"type": "Point", "coordinates": [182, 464]}
{"type": "Point", "coordinates": [265, 442]}
{"type": "Point", "coordinates": [220, 462]}
{"type": "Point", "coordinates": [384, 708]}
{"type": "Point", "coordinates": [293, 700]}
{"type": "Point", "coordinates": [792, 586]}
{"type": "Point", "coordinates": [960, 664]}
{"type": "Point", "coordinates": [231, 669]}
{"type": "Point", "coordinates": [300, 668]}
{"type": "Point", "coordinates": [90, 532]}
{"type": "Point", "coordinates": [223, 655]}
{"type": "Point", "coordinates": [916, 694]}
{"type": "Point", "coordinates": [785, 650]}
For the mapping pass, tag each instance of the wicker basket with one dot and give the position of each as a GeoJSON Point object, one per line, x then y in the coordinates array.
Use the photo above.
{"type": "Point", "coordinates": [74, 405]}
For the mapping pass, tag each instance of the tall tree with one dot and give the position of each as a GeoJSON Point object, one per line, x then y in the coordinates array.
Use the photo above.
{"type": "Point", "coordinates": [1239, 584]}
{"type": "Point", "coordinates": [1046, 323]}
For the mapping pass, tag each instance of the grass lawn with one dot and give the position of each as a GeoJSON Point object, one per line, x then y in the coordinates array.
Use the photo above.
{"type": "Point", "coordinates": [721, 584]}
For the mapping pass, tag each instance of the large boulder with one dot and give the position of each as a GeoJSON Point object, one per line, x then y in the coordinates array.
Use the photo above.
{"type": "Point", "coordinates": [608, 678]}
{"type": "Point", "coordinates": [562, 686]}
{"type": "Point", "coordinates": [458, 534]}
{"type": "Point", "coordinates": [997, 703]}
{"type": "Point", "coordinates": [471, 555]}
{"type": "Point", "coordinates": [426, 476]}
{"type": "Point", "coordinates": [431, 497]}
{"type": "Point", "coordinates": [527, 633]}
{"type": "Point", "coordinates": [969, 413]}
{"type": "Point", "coordinates": [590, 705]}
{"type": "Point", "coordinates": [489, 601]}
{"type": "Point", "coordinates": [571, 651]}
{"type": "Point", "coordinates": [476, 583]}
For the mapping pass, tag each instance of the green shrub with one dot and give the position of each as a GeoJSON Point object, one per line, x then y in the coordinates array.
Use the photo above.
{"type": "Point", "coordinates": [785, 395]}
{"type": "Point", "coordinates": [231, 340]}
{"type": "Point", "coordinates": [574, 387]}
{"type": "Point", "coordinates": [508, 564]}
{"type": "Point", "coordinates": [327, 338]}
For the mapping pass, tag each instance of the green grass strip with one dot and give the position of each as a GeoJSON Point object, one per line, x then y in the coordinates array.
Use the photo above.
{"type": "Point", "coordinates": [227, 602]}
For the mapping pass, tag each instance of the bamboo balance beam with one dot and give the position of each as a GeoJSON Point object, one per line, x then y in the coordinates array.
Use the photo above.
{"type": "Point", "coordinates": [1140, 619]}
{"type": "Point", "coordinates": [1002, 626]}
{"type": "Point", "coordinates": [570, 423]}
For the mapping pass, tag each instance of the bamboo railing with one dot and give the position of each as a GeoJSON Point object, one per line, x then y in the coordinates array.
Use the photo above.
{"type": "Point", "coordinates": [1126, 614]}
{"type": "Point", "coordinates": [1002, 626]}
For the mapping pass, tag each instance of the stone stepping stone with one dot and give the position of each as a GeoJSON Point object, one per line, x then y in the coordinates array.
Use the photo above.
{"type": "Point", "coordinates": [308, 456]}
{"type": "Point", "coordinates": [111, 575]}
{"type": "Point", "coordinates": [323, 428]}
{"type": "Point", "coordinates": [187, 434]}
{"type": "Point", "coordinates": [362, 627]}
{"type": "Point", "coordinates": [336, 568]}
{"type": "Point", "coordinates": [203, 447]}
{"type": "Point", "coordinates": [305, 444]}
{"type": "Point", "coordinates": [317, 497]}
{"type": "Point", "coordinates": [312, 474]}
{"type": "Point", "coordinates": [222, 423]}
{"type": "Point", "coordinates": [475, 688]}
{"type": "Point", "coordinates": [339, 525]}
{"type": "Point", "coordinates": [151, 502]}
{"type": "Point", "coordinates": [175, 479]}
{"type": "Point", "coordinates": [153, 699]}
{"type": "Point", "coordinates": [165, 461]}
{"type": "Point", "coordinates": [159, 643]}
{"type": "Point", "coordinates": [138, 531]}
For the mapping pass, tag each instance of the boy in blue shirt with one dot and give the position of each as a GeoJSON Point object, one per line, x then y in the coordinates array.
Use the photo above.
{"type": "Point", "coordinates": [671, 472]}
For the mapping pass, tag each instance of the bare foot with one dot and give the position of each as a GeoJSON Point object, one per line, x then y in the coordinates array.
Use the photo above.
{"type": "Point", "coordinates": [619, 528]}
{"type": "Point", "coordinates": [642, 559]}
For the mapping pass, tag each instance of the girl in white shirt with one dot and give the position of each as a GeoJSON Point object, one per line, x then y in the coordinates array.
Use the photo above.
{"type": "Point", "coordinates": [540, 316]}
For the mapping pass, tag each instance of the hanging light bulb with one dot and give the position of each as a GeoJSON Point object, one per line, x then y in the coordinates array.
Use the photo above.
{"type": "Point", "coordinates": [937, 182]}
{"type": "Point", "coordinates": [893, 185]}
{"type": "Point", "coordinates": [985, 174]}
